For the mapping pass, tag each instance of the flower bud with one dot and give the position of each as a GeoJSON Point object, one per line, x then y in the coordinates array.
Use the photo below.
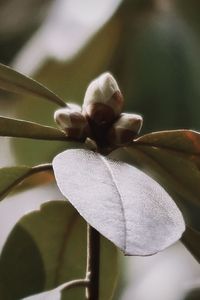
{"type": "Point", "coordinates": [125, 129]}
{"type": "Point", "coordinates": [72, 122]}
{"type": "Point", "coordinates": [103, 100]}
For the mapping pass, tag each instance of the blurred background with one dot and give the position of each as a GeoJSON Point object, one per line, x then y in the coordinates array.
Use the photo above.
{"type": "Point", "coordinates": [152, 47]}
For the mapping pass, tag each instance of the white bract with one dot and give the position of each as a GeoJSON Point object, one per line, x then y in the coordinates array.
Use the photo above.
{"type": "Point", "coordinates": [120, 201]}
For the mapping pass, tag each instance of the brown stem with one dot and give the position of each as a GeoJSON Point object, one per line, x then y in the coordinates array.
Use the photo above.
{"type": "Point", "coordinates": [30, 172]}
{"type": "Point", "coordinates": [93, 262]}
{"type": "Point", "coordinates": [74, 283]}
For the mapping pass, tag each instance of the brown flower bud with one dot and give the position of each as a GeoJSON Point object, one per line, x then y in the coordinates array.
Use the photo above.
{"type": "Point", "coordinates": [125, 129]}
{"type": "Point", "coordinates": [72, 122]}
{"type": "Point", "coordinates": [103, 100]}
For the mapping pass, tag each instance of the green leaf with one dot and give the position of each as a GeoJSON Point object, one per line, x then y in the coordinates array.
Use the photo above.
{"type": "Point", "coordinates": [191, 239]}
{"type": "Point", "coordinates": [12, 176]}
{"type": "Point", "coordinates": [58, 233]}
{"type": "Point", "coordinates": [12, 81]}
{"type": "Point", "coordinates": [173, 159]}
{"type": "Point", "coordinates": [16, 279]}
{"type": "Point", "coordinates": [24, 129]}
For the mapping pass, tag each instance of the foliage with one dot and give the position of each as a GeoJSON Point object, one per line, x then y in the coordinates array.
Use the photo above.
{"type": "Point", "coordinates": [99, 188]}
{"type": "Point", "coordinates": [121, 202]}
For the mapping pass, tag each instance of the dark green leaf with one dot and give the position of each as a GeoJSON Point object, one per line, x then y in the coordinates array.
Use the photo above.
{"type": "Point", "coordinates": [59, 235]}
{"type": "Point", "coordinates": [16, 280]}
{"type": "Point", "coordinates": [12, 81]}
{"type": "Point", "coordinates": [24, 129]}
{"type": "Point", "coordinates": [191, 239]}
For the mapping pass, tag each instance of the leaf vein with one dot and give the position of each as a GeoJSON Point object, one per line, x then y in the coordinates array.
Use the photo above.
{"type": "Point", "coordinates": [120, 197]}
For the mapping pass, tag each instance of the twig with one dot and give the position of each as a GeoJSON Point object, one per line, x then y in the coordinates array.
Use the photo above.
{"type": "Point", "coordinates": [32, 171]}
{"type": "Point", "coordinates": [93, 262]}
{"type": "Point", "coordinates": [74, 283]}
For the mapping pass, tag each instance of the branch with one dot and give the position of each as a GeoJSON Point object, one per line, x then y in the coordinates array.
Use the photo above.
{"type": "Point", "coordinates": [75, 283]}
{"type": "Point", "coordinates": [41, 168]}
{"type": "Point", "coordinates": [30, 172]}
{"type": "Point", "coordinates": [93, 262]}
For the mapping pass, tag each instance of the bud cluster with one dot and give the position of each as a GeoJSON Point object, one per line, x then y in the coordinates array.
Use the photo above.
{"type": "Point", "coordinates": [101, 117]}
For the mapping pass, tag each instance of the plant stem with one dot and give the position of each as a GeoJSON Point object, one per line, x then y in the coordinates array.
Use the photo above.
{"type": "Point", "coordinates": [93, 263]}
{"type": "Point", "coordinates": [74, 283]}
{"type": "Point", "coordinates": [30, 172]}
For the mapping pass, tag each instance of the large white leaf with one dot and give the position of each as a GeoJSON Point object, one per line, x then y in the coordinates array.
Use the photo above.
{"type": "Point", "coordinates": [121, 202]}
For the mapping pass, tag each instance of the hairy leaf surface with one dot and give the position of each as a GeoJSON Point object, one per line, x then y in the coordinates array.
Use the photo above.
{"type": "Point", "coordinates": [120, 201]}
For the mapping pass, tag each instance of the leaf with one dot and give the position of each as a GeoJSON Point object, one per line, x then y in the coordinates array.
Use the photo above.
{"type": "Point", "coordinates": [185, 141]}
{"type": "Point", "coordinates": [24, 129]}
{"type": "Point", "coordinates": [120, 201]}
{"type": "Point", "coordinates": [191, 239]}
{"type": "Point", "coordinates": [12, 81]}
{"type": "Point", "coordinates": [49, 247]}
{"type": "Point", "coordinates": [178, 155]}
{"type": "Point", "coordinates": [12, 176]}
{"type": "Point", "coordinates": [173, 159]}
{"type": "Point", "coordinates": [16, 279]}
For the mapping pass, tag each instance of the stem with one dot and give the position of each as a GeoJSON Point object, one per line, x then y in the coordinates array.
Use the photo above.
{"type": "Point", "coordinates": [74, 283]}
{"type": "Point", "coordinates": [93, 262]}
{"type": "Point", "coordinates": [41, 168]}
{"type": "Point", "coordinates": [32, 171]}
